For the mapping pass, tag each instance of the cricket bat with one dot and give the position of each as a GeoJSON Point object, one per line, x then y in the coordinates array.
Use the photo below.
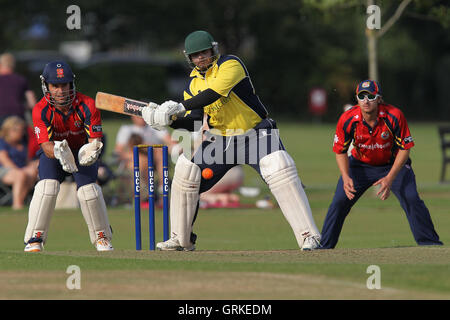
{"type": "Point", "coordinates": [118, 104]}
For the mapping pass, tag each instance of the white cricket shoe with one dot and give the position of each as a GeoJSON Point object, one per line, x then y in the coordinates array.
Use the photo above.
{"type": "Point", "coordinates": [173, 245]}
{"type": "Point", "coordinates": [310, 243]}
{"type": "Point", "coordinates": [103, 244]}
{"type": "Point", "coordinates": [34, 247]}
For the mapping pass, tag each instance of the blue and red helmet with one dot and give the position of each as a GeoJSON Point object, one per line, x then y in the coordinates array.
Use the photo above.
{"type": "Point", "coordinates": [370, 86]}
{"type": "Point", "coordinates": [57, 72]}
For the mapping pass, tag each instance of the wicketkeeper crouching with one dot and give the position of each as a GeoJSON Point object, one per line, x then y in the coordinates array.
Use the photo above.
{"type": "Point", "coordinates": [68, 128]}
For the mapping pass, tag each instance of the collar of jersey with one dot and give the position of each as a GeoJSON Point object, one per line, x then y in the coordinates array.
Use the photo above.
{"type": "Point", "coordinates": [65, 116]}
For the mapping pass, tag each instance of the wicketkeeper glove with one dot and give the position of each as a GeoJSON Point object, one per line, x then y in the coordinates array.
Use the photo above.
{"type": "Point", "coordinates": [90, 152]}
{"type": "Point", "coordinates": [63, 153]}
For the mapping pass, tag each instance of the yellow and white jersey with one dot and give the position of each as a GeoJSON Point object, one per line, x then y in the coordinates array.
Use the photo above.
{"type": "Point", "coordinates": [239, 108]}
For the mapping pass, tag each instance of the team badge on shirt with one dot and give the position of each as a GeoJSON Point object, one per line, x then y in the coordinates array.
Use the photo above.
{"type": "Point", "coordinates": [385, 135]}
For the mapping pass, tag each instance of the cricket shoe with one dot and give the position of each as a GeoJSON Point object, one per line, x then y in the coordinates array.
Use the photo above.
{"type": "Point", "coordinates": [34, 246]}
{"type": "Point", "coordinates": [310, 243]}
{"type": "Point", "coordinates": [103, 244]}
{"type": "Point", "coordinates": [173, 245]}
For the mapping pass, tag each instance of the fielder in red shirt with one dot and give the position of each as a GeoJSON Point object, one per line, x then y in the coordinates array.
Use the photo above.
{"type": "Point", "coordinates": [68, 129]}
{"type": "Point", "coordinates": [381, 142]}
{"type": "Point", "coordinates": [80, 123]}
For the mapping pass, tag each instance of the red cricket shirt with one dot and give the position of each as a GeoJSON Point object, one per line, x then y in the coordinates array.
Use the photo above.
{"type": "Point", "coordinates": [82, 122]}
{"type": "Point", "coordinates": [375, 146]}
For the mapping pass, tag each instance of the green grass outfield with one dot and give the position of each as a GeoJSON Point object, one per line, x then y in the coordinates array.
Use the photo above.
{"type": "Point", "coordinates": [248, 253]}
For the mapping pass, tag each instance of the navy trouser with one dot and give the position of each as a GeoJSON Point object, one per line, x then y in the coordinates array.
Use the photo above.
{"type": "Point", "coordinates": [52, 169]}
{"type": "Point", "coordinates": [220, 153]}
{"type": "Point", "coordinates": [235, 150]}
{"type": "Point", "coordinates": [404, 188]}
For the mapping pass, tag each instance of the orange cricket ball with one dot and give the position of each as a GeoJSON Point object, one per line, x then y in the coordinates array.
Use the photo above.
{"type": "Point", "coordinates": [207, 173]}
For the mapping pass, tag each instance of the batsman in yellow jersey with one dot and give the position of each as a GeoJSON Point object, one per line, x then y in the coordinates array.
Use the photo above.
{"type": "Point", "coordinates": [221, 95]}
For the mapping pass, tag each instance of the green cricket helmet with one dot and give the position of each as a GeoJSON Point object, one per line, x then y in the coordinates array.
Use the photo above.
{"type": "Point", "coordinates": [198, 41]}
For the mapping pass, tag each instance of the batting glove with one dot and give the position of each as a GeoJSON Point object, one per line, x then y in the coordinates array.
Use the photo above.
{"type": "Point", "coordinates": [167, 112]}
{"type": "Point", "coordinates": [148, 114]}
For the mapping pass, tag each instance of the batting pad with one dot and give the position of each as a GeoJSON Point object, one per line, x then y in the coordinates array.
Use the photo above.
{"type": "Point", "coordinates": [184, 197]}
{"type": "Point", "coordinates": [279, 171]}
{"type": "Point", "coordinates": [93, 208]}
{"type": "Point", "coordinates": [41, 209]}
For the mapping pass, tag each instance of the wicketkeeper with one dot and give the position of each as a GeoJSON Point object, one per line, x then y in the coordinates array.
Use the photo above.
{"type": "Point", "coordinates": [68, 128]}
{"type": "Point", "coordinates": [220, 92]}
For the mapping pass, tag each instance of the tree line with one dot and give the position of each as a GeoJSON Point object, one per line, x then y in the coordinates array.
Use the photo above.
{"type": "Point", "coordinates": [289, 47]}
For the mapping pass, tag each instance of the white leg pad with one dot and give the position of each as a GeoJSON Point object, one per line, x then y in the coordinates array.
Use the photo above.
{"type": "Point", "coordinates": [93, 208]}
{"type": "Point", "coordinates": [183, 199]}
{"type": "Point", "coordinates": [279, 171]}
{"type": "Point", "coordinates": [41, 209]}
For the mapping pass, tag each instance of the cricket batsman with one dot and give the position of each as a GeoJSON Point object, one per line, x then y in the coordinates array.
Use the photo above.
{"type": "Point", "coordinates": [68, 128]}
{"type": "Point", "coordinates": [220, 92]}
{"type": "Point", "coordinates": [382, 142]}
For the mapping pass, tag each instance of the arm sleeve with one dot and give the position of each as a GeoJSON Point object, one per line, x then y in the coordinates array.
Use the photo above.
{"type": "Point", "coordinates": [230, 73]}
{"type": "Point", "coordinates": [92, 120]}
{"type": "Point", "coordinates": [43, 129]}
{"type": "Point", "coordinates": [201, 100]}
{"type": "Point", "coordinates": [3, 145]}
{"type": "Point", "coordinates": [403, 137]}
{"type": "Point", "coordinates": [342, 138]}
{"type": "Point", "coordinates": [189, 120]}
